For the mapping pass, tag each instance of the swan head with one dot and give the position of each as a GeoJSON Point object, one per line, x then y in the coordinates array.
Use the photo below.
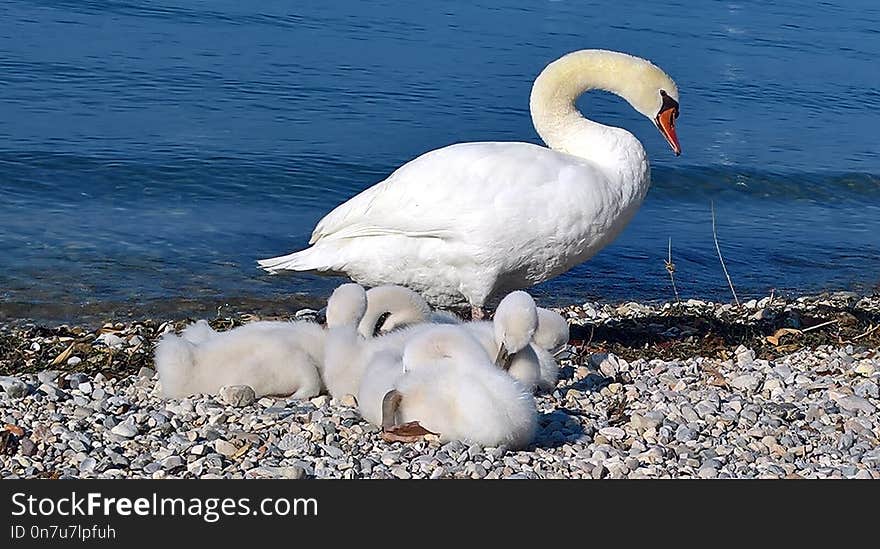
{"type": "Point", "coordinates": [346, 305]}
{"type": "Point", "coordinates": [648, 89]}
{"type": "Point", "coordinates": [653, 94]}
{"type": "Point", "coordinates": [390, 307]}
{"type": "Point", "coordinates": [665, 120]}
{"type": "Point", "coordinates": [515, 322]}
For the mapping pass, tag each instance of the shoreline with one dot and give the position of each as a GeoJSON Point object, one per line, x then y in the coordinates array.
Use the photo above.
{"type": "Point", "coordinates": [631, 329]}
{"type": "Point", "coordinates": [781, 387]}
{"type": "Point", "coordinates": [93, 313]}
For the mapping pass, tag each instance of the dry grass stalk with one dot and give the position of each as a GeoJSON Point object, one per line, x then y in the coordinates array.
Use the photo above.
{"type": "Point", "coordinates": [670, 268]}
{"type": "Point", "coordinates": [718, 248]}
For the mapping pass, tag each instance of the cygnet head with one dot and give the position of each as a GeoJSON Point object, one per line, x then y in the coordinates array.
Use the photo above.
{"type": "Point", "coordinates": [346, 305]}
{"type": "Point", "coordinates": [552, 332]}
{"type": "Point", "coordinates": [198, 332]}
{"type": "Point", "coordinates": [390, 307]}
{"type": "Point", "coordinates": [515, 321]}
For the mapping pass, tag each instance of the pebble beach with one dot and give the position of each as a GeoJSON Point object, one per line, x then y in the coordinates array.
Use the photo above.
{"type": "Point", "coordinates": [780, 387]}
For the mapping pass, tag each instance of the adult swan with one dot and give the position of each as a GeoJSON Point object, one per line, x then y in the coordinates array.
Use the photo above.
{"type": "Point", "coordinates": [472, 220]}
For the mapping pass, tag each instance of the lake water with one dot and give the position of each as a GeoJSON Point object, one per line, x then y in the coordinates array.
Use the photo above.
{"type": "Point", "coordinates": [153, 150]}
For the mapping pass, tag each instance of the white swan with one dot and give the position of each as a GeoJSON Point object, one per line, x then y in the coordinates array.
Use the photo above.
{"type": "Point", "coordinates": [446, 383]}
{"type": "Point", "coordinates": [471, 220]}
{"type": "Point", "coordinates": [274, 358]}
{"type": "Point", "coordinates": [552, 334]}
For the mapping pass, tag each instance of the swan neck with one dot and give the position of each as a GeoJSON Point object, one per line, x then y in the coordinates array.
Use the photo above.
{"type": "Point", "coordinates": [561, 125]}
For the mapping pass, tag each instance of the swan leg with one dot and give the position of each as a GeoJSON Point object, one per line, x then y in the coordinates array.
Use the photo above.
{"type": "Point", "coordinates": [477, 312]}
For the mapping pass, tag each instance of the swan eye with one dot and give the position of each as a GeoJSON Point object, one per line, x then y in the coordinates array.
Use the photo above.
{"type": "Point", "coordinates": [668, 103]}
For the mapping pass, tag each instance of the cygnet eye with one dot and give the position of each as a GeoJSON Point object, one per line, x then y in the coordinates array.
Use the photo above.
{"type": "Point", "coordinates": [380, 322]}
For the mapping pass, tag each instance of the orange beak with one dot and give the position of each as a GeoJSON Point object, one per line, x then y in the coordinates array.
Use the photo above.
{"type": "Point", "coordinates": [666, 124]}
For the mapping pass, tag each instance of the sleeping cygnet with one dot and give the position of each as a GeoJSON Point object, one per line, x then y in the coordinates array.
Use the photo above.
{"type": "Point", "coordinates": [343, 345]}
{"type": "Point", "coordinates": [506, 338]}
{"type": "Point", "coordinates": [392, 307]}
{"type": "Point", "coordinates": [309, 335]}
{"type": "Point", "coordinates": [446, 384]}
{"type": "Point", "coordinates": [552, 334]}
{"type": "Point", "coordinates": [273, 358]}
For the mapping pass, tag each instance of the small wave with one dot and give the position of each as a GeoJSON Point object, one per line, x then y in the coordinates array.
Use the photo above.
{"type": "Point", "coordinates": [698, 183]}
{"type": "Point", "coordinates": [37, 172]}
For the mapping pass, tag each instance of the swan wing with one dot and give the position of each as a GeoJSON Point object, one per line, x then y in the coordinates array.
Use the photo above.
{"type": "Point", "coordinates": [430, 195]}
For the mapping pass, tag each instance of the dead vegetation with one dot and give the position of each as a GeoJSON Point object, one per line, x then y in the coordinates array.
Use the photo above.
{"type": "Point", "coordinates": [679, 332]}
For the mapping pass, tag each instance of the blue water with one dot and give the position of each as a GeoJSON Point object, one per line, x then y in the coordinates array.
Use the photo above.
{"type": "Point", "coordinates": [152, 150]}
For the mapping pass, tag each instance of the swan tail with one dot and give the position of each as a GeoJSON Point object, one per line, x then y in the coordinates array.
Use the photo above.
{"type": "Point", "coordinates": [175, 362]}
{"type": "Point", "coordinates": [303, 260]}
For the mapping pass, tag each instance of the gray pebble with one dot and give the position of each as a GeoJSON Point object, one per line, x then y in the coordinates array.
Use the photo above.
{"type": "Point", "coordinates": [27, 447]}
{"type": "Point", "coordinates": [684, 434]}
{"type": "Point", "coordinates": [293, 472]}
{"type": "Point", "coordinates": [332, 451]}
{"type": "Point", "coordinates": [400, 471]}
{"type": "Point", "coordinates": [224, 447]}
{"type": "Point", "coordinates": [52, 391]}
{"type": "Point", "coordinates": [747, 382]}
{"type": "Point", "coordinates": [125, 429]}
{"type": "Point", "coordinates": [48, 376]}
{"type": "Point", "coordinates": [87, 465]}
{"type": "Point", "coordinates": [14, 387]}
{"type": "Point", "coordinates": [613, 433]}
{"type": "Point", "coordinates": [854, 403]}
{"type": "Point", "coordinates": [152, 467]}
{"type": "Point", "coordinates": [238, 395]}
{"type": "Point", "coordinates": [172, 462]}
